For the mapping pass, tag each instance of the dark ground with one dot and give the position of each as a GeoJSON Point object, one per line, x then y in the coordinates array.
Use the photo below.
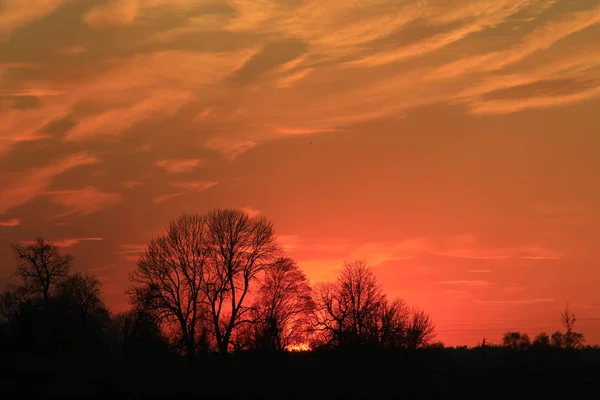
{"type": "Point", "coordinates": [426, 374]}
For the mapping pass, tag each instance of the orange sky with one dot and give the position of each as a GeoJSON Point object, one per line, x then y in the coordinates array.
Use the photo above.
{"type": "Point", "coordinates": [453, 144]}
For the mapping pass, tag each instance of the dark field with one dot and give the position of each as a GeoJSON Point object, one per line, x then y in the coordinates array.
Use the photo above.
{"type": "Point", "coordinates": [429, 374]}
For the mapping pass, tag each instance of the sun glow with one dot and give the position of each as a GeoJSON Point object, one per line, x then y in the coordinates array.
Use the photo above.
{"type": "Point", "coordinates": [298, 347]}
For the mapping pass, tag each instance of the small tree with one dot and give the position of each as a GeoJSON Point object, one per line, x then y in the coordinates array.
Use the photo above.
{"type": "Point", "coordinates": [571, 339]}
{"type": "Point", "coordinates": [541, 340]}
{"type": "Point", "coordinates": [420, 330]}
{"type": "Point", "coordinates": [348, 310]}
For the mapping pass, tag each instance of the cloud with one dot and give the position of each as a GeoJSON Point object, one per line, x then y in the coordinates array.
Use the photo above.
{"type": "Point", "coordinates": [83, 201]}
{"type": "Point", "coordinates": [16, 13]}
{"type": "Point", "coordinates": [162, 103]}
{"type": "Point", "coordinates": [66, 243]}
{"type": "Point", "coordinates": [112, 12]}
{"type": "Point", "coordinates": [31, 92]}
{"type": "Point", "coordinates": [516, 302]}
{"type": "Point", "coordinates": [387, 251]}
{"type": "Point", "coordinates": [178, 166]}
{"type": "Point", "coordinates": [468, 246]}
{"type": "Point", "coordinates": [35, 182]}
{"type": "Point", "coordinates": [251, 211]}
{"type": "Point", "coordinates": [195, 186]}
{"type": "Point", "coordinates": [165, 197]}
{"type": "Point", "coordinates": [466, 283]}
{"type": "Point", "coordinates": [289, 242]}
{"type": "Point", "coordinates": [73, 50]}
{"type": "Point", "coordinates": [189, 186]}
{"type": "Point", "coordinates": [230, 148]}
{"type": "Point", "coordinates": [539, 39]}
{"type": "Point", "coordinates": [131, 184]}
{"type": "Point", "coordinates": [10, 223]}
{"type": "Point", "coordinates": [131, 248]}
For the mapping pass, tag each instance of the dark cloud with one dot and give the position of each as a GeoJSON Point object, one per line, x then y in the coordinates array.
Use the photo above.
{"type": "Point", "coordinates": [544, 88]}
{"type": "Point", "coordinates": [271, 56]}
{"type": "Point", "coordinates": [24, 102]}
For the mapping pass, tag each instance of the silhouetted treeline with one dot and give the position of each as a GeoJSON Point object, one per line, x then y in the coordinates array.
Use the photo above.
{"type": "Point", "coordinates": [220, 284]}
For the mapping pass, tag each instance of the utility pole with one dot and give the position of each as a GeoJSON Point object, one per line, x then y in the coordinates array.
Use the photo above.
{"type": "Point", "coordinates": [483, 350]}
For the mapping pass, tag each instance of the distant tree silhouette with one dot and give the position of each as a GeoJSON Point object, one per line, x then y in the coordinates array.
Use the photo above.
{"type": "Point", "coordinates": [541, 340]}
{"type": "Point", "coordinates": [516, 340]}
{"type": "Point", "coordinates": [354, 312]}
{"type": "Point", "coordinates": [41, 267]}
{"type": "Point", "coordinates": [558, 340]}
{"type": "Point", "coordinates": [282, 306]}
{"type": "Point", "coordinates": [169, 276]}
{"type": "Point", "coordinates": [239, 248]}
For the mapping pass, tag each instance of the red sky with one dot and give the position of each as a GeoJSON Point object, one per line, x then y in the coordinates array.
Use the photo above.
{"type": "Point", "coordinates": [452, 144]}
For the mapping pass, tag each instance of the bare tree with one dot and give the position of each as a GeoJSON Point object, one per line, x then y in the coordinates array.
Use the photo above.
{"type": "Point", "coordinates": [239, 248]}
{"type": "Point", "coordinates": [82, 293]}
{"type": "Point", "coordinates": [571, 339]}
{"type": "Point", "coordinates": [420, 330]}
{"type": "Point", "coordinates": [42, 267]}
{"type": "Point", "coordinates": [348, 310]}
{"type": "Point", "coordinates": [393, 324]}
{"type": "Point", "coordinates": [283, 304]}
{"type": "Point", "coordinates": [568, 319]}
{"type": "Point", "coordinates": [170, 275]}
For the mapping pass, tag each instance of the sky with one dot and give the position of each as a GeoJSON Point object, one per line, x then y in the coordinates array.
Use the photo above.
{"type": "Point", "coordinates": [451, 144]}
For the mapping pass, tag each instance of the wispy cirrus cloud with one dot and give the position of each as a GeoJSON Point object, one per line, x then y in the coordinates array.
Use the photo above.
{"type": "Point", "coordinates": [179, 166]}
{"type": "Point", "coordinates": [195, 186]}
{"type": "Point", "coordinates": [68, 242]}
{"type": "Point", "coordinates": [10, 223]}
{"type": "Point", "coordinates": [35, 182]}
{"type": "Point", "coordinates": [16, 14]}
{"type": "Point", "coordinates": [466, 283]}
{"type": "Point", "coordinates": [515, 302]}
{"type": "Point", "coordinates": [165, 197]}
{"type": "Point", "coordinates": [83, 201]}
{"type": "Point", "coordinates": [251, 211]}
{"type": "Point", "coordinates": [131, 248]}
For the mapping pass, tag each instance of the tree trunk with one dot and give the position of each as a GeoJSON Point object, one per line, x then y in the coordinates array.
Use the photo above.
{"type": "Point", "coordinates": [224, 346]}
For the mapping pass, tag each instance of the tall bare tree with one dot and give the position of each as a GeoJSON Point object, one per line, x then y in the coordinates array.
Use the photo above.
{"type": "Point", "coordinates": [282, 306]}
{"type": "Point", "coordinates": [41, 266]}
{"type": "Point", "coordinates": [170, 275]}
{"type": "Point", "coordinates": [239, 248]}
